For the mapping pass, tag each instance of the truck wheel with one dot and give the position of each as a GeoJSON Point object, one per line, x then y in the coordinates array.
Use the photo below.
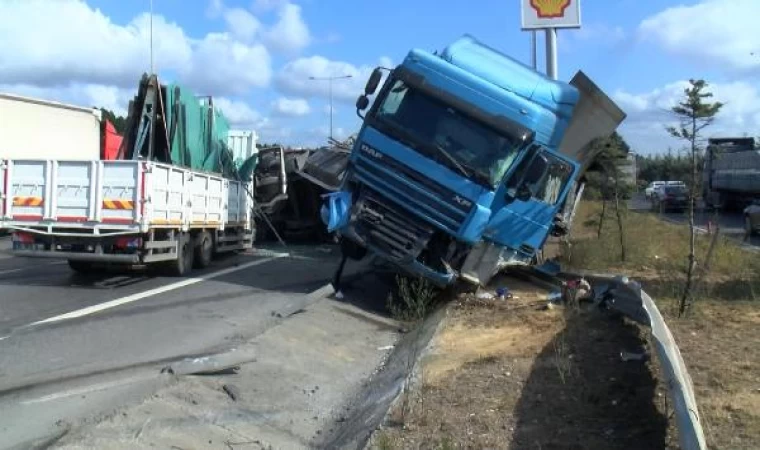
{"type": "Point", "coordinates": [81, 266]}
{"type": "Point", "coordinates": [184, 262]}
{"type": "Point", "coordinates": [204, 250]}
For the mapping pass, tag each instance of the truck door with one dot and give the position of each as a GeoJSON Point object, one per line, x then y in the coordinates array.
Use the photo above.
{"type": "Point", "coordinates": [527, 202]}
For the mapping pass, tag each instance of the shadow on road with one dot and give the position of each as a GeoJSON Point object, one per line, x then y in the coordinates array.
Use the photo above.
{"type": "Point", "coordinates": [581, 395]}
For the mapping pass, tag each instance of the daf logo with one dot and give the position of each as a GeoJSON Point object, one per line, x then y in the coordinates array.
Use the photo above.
{"type": "Point", "coordinates": [462, 201]}
{"type": "Point", "coordinates": [371, 151]}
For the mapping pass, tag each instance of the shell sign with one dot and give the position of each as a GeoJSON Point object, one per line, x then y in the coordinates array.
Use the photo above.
{"type": "Point", "coordinates": [550, 14]}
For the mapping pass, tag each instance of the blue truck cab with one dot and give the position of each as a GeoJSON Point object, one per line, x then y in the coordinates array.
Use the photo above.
{"type": "Point", "coordinates": [457, 169]}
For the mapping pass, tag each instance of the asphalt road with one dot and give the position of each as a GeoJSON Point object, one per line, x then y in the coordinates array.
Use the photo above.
{"type": "Point", "coordinates": [56, 324]}
{"type": "Point", "coordinates": [731, 224]}
{"type": "Point", "coordinates": [61, 331]}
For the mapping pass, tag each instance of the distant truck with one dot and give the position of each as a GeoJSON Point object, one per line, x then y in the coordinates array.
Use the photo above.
{"type": "Point", "coordinates": [171, 196]}
{"type": "Point", "coordinates": [466, 162]}
{"type": "Point", "coordinates": [731, 175]}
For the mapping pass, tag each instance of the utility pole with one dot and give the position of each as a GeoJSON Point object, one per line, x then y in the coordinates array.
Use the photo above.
{"type": "Point", "coordinates": [151, 37]}
{"type": "Point", "coordinates": [551, 53]}
{"type": "Point", "coordinates": [330, 83]}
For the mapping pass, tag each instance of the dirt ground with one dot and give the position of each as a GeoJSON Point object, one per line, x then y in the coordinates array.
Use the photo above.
{"type": "Point", "coordinates": [720, 342]}
{"type": "Point", "coordinates": [512, 374]}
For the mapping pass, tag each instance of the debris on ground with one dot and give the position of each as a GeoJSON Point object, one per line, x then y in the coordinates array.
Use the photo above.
{"type": "Point", "coordinates": [232, 391]}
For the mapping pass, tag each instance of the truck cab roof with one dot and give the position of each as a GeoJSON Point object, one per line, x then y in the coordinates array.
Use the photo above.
{"type": "Point", "coordinates": [498, 85]}
{"type": "Point", "coordinates": [511, 75]}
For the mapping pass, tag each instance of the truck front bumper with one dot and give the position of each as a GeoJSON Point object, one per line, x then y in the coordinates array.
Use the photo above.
{"type": "Point", "coordinates": [408, 265]}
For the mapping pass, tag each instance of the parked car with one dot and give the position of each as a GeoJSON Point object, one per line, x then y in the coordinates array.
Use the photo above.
{"type": "Point", "coordinates": [649, 191]}
{"type": "Point", "coordinates": [670, 197]}
{"type": "Point", "coordinates": [752, 218]}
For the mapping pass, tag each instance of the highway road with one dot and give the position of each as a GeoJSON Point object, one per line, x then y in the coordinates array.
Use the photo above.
{"type": "Point", "coordinates": [731, 224]}
{"type": "Point", "coordinates": [61, 332]}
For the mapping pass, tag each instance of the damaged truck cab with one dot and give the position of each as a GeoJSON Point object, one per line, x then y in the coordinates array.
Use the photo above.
{"type": "Point", "coordinates": [457, 170]}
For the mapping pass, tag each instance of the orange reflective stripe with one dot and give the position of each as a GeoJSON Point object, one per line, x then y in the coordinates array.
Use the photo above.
{"type": "Point", "coordinates": [28, 201]}
{"type": "Point", "coordinates": [118, 204]}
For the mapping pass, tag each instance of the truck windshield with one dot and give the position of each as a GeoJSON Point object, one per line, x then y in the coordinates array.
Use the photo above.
{"type": "Point", "coordinates": [447, 135]}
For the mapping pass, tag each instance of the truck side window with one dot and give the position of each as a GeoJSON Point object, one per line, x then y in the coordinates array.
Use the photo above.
{"type": "Point", "coordinates": [548, 186]}
{"type": "Point", "coordinates": [393, 99]}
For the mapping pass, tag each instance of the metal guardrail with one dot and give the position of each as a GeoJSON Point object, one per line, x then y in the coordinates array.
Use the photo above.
{"type": "Point", "coordinates": [626, 296]}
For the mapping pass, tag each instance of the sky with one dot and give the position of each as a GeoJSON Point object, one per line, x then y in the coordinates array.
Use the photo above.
{"type": "Point", "coordinates": [256, 57]}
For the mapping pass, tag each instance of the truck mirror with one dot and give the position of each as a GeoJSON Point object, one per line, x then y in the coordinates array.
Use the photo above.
{"type": "Point", "coordinates": [362, 102]}
{"type": "Point", "coordinates": [373, 82]}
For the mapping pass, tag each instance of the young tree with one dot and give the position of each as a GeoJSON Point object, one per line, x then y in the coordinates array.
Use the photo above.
{"type": "Point", "coordinates": [612, 151]}
{"type": "Point", "coordinates": [694, 113]}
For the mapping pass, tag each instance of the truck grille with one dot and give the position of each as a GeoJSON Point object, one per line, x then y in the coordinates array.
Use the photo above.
{"type": "Point", "coordinates": [420, 193]}
{"type": "Point", "coordinates": [388, 229]}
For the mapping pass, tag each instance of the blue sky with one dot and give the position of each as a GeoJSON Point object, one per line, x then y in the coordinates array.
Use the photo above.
{"type": "Point", "coordinates": [257, 55]}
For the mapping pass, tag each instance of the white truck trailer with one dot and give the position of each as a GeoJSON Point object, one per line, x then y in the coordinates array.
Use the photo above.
{"type": "Point", "coordinates": [122, 212]}
{"type": "Point", "coordinates": [41, 129]}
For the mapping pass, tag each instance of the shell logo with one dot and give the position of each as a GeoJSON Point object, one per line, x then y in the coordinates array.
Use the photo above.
{"type": "Point", "coordinates": [550, 9]}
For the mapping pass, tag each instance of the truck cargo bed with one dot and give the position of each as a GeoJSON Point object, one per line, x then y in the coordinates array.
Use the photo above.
{"type": "Point", "coordinates": [97, 197]}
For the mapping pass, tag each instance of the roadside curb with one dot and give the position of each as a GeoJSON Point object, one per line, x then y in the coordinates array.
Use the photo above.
{"type": "Point", "coordinates": [374, 404]}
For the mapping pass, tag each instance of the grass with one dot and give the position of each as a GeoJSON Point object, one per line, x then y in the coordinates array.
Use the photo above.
{"type": "Point", "coordinates": [656, 254]}
{"type": "Point", "coordinates": [413, 298]}
{"type": "Point", "coordinates": [717, 337]}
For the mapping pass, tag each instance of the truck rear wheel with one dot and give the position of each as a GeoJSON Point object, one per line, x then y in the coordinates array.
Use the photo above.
{"type": "Point", "coordinates": [204, 250]}
{"type": "Point", "coordinates": [185, 255]}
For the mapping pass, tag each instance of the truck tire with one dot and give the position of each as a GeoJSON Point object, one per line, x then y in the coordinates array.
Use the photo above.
{"type": "Point", "coordinates": [185, 255]}
{"type": "Point", "coordinates": [204, 250]}
{"type": "Point", "coordinates": [84, 267]}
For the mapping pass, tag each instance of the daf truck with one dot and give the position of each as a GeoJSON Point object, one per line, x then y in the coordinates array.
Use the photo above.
{"type": "Point", "coordinates": [465, 163]}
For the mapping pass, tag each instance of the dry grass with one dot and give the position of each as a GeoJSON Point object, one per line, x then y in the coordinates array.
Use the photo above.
{"type": "Point", "coordinates": [718, 339]}
{"type": "Point", "coordinates": [511, 374]}
{"type": "Point", "coordinates": [657, 255]}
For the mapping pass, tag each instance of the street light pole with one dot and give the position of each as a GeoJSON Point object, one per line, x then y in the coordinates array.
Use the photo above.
{"type": "Point", "coordinates": [330, 84]}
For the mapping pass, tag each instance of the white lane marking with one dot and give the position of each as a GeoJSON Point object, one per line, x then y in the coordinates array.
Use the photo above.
{"type": "Point", "coordinates": [149, 293]}
{"type": "Point", "coordinates": [4, 337]}
{"type": "Point", "coordinates": [86, 390]}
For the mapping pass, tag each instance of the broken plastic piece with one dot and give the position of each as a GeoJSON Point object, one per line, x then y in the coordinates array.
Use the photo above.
{"type": "Point", "coordinates": [628, 356]}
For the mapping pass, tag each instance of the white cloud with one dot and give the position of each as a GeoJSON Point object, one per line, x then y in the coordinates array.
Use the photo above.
{"type": "Point", "coordinates": [38, 47]}
{"type": "Point", "coordinates": [326, 109]}
{"type": "Point", "coordinates": [649, 113]}
{"type": "Point", "coordinates": [715, 33]}
{"type": "Point", "coordinates": [238, 113]}
{"type": "Point", "coordinates": [290, 34]}
{"type": "Point", "coordinates": [291, 107]}
{"type": "Point", "coordinates": [241, 23]}
{"type": "Point", "coordinates": [222, 65]}
{"type": "Point", "coordinates": [84, 95]}
{"type": "Point", "coordinates": [294, 77]}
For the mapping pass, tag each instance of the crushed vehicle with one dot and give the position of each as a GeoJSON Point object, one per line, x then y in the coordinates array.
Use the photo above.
{"type": "Point", "coordinates": [465, 163]}
{"type": "Point", "coordinates": [172, 196]}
